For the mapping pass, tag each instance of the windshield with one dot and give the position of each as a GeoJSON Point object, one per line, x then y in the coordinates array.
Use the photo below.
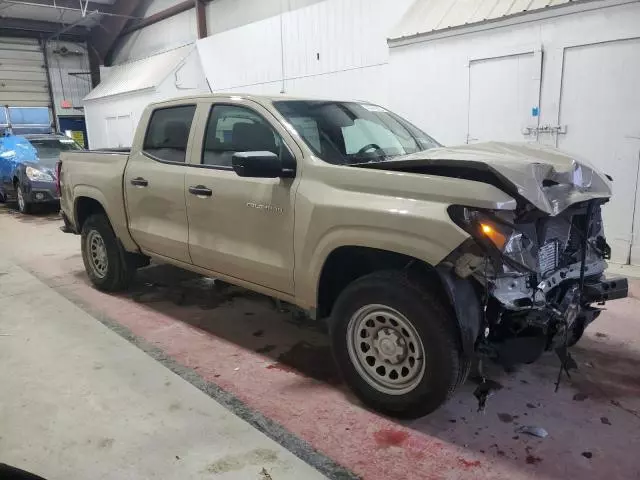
{"type": "Point", "coordinates": [51, 147]}
{"type": "Point", "coordinates": [347, 133]}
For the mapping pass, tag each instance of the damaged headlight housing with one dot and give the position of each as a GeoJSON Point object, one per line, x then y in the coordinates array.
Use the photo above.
{"type": "Point", "coordinates": [498, 236]}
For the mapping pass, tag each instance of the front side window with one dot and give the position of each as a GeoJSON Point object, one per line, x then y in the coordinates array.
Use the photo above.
{"type": "Point", "coordinates": [168, 133]}
{"type": "Point", "coordinates": [346, 133]}
{"type": "Point", "coordinates": [232, 129]}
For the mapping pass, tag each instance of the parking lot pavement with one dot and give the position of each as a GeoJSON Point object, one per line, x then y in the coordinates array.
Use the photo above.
{"type": "Point", "coordinates": [270, 360]}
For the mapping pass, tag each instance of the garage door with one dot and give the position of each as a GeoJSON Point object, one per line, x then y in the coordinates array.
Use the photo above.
{"type": "Point", "coordinates": [23, 77]}
{"type": "Point", "coordinates": [502, 93]}
{"type": "Point", "coordinates": [600, 105]}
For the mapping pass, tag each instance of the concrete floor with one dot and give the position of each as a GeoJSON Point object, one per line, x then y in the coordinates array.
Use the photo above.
{"type": "Point", "coordinates": [273, 369]}
{"type": "Point", "coordinates": [81, 402]}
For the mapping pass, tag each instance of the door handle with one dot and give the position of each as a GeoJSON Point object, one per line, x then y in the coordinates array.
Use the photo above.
{"type": "Point", "coordinates": [139, 182]}
{"type": "Point", "coordinates": [200, 191]}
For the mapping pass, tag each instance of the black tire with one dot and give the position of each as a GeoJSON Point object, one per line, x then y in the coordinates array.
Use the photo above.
{"type": "Point", "coordinates": [120, 269]}
{"type": "Point", "coordinates": [23, 206]}
{"type": "Point", "coordinates": [444, 368]}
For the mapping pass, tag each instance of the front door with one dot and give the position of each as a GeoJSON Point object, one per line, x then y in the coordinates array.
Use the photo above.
{"type": "Point", "coordinates": [241, 227]}
{"type": "Point", "coordinates": [154, 184]}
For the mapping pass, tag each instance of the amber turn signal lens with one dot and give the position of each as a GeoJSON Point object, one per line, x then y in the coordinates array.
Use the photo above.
{"type": "Point", "coordinates": [494, 235]}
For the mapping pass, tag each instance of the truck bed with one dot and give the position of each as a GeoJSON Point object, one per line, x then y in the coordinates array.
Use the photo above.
{"type": "Point", "coordinates": [97, 175]}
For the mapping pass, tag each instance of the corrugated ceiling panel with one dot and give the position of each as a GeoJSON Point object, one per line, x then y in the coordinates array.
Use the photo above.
{"type": "Point", "coordinates": [139, 75]}
{"type": "Point", "coordinates": [502, 8]}
{"type": "Point", "coordinates": [23, 78]}
{"type": "Point", "coordinates": [536, 4]}
{"type": "Point", "coordinates": [426, 16]}
{"type": "Point", "coordinates": [458, 14]}
{"type": "Point", "coordinates": [483, 10]}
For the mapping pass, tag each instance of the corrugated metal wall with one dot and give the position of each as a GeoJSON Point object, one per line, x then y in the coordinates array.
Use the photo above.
{"type": "Point", "coordinates": [427, 16]}
{"type": "Point", "coordinates": [222, 15]}
{"type": "Point", "coordinates": [69, 71]}
{"type": "Point", "coordinates": [23, 78]}
{"type": "Point", "coordinates": [319, 50]}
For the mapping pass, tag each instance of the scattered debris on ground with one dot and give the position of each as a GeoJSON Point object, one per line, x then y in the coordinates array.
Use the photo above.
{"type": "Point", "coordinates": [533, 431]}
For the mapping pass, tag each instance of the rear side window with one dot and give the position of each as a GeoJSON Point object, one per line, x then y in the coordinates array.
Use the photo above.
{"type": "Point", "coordinates": [168, 133]}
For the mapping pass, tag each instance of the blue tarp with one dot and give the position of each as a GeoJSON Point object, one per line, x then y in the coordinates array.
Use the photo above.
{"type": "Point", "coordinates": [15, 150]}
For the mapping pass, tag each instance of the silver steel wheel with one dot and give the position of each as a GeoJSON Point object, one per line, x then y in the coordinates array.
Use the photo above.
{"type": "Point", "coordinates": [21, 203]}
{"type": "Point", "coordinates": [97, 254]}
{"type": "Point", "coordinates": [385, 349]}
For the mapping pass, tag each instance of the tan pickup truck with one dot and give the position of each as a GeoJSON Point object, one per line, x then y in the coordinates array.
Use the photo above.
{"type": "Point", "coordinates": [422, 258]}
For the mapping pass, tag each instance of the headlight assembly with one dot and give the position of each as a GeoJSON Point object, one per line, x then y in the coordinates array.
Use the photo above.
{"type": "Point", "coordinates": [36, 175]}
{"type": "Point", "coordinates": [500, 238]}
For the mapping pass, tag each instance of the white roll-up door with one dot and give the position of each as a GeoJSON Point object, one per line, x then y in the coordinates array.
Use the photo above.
{"type": "Point", "coordinates": [23, 77]}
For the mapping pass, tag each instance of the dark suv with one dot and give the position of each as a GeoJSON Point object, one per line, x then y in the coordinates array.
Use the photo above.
{"type": "Point", "coordinates": [28, 167]}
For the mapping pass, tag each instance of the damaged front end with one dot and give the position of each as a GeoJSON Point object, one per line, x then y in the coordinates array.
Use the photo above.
{"type": "Point", "coordinates": [538, 277]}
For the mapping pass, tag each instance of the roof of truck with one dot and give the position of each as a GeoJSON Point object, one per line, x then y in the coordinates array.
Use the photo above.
{"type": "Point", "coordinates": [257, 98]}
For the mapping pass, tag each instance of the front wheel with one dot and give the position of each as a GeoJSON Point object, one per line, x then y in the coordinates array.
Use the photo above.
{"type": "Point", "coordinates": [107, 264]}
{"type": "Point", "coordinates": [396, 345]}
{"type": "Point", "coordinates": [24, 206]}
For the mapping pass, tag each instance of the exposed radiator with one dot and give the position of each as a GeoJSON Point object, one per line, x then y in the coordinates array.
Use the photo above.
{"type": "Point", "coordinates": [548, 256]}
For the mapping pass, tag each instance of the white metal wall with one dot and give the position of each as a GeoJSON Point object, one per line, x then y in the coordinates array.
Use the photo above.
{"type": "Point", "coordinates": [222, 15]}
{"type": "Point", "coordinates": [333, 48]}
{"type": "Point", "coordinates": [168, 34]}
{"type": "Point", "coordinates": [591, 102]}
{"type": "Point", "coordinates": [112, 120]}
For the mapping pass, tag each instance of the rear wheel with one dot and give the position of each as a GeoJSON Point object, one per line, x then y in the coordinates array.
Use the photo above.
{"type": "Point", "coordinates": [396, 345]}
{"type": "Point", "coordinates": [109, 267]}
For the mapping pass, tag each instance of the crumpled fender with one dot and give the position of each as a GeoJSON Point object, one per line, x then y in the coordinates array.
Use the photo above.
{"type": "Point", "coordinates": [466, 305]}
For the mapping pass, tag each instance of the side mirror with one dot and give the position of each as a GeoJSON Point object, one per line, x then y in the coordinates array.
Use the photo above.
{"type": "Point", "coordinates": [257, 164]}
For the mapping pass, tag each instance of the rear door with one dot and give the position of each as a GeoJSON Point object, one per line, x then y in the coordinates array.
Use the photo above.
{"type": "Point", "coordinates": [241, 227]}
{"type": "Point", "coordinates": [154, 183]}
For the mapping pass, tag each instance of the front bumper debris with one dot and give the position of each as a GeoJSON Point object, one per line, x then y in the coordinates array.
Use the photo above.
{"type": "Point", "coordinates": [613, 288]}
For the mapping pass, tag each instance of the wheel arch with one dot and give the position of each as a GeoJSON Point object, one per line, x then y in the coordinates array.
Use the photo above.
{"type": "Point", "coordinates": [347, 263]}
{"type": "Point", "coordinates": [113, 210]}
{"type": "Point", "coordinates": [84, 206]}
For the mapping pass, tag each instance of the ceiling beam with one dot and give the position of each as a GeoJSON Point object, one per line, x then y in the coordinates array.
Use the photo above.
{"type": "Point", "coordinates": [104, 35]}
{"type": "Point", "coordinates": [35, 28]}
{"type": "Point", "coordinates": [159, 16]}
{"type": "Point", "coordinates": [201, 18]}
{"type": "Point", "coordinates": [58, 4]}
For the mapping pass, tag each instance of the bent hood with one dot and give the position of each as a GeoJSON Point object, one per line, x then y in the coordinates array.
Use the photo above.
{"type": "Point", "coordinates": [545, 176]}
